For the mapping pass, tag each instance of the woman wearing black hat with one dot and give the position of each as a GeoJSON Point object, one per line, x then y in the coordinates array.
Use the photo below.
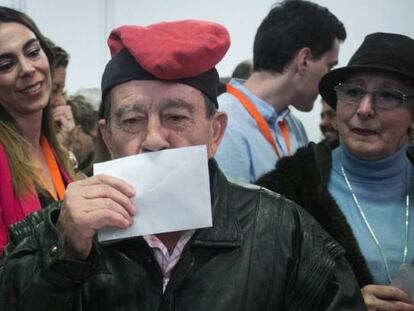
{"type": "Point", "coordinates": [362, 192]}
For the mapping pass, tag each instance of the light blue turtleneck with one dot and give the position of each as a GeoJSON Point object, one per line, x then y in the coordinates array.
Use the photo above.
{"type": "Point", "coordinates": [381, 189]}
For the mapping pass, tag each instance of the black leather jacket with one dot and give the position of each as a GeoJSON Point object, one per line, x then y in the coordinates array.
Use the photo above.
{"type": "Point", "coordinates": [262, 253]}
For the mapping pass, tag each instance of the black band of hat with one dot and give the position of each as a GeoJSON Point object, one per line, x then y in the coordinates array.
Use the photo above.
{"type": "Point", "coordinates": [123, 68]}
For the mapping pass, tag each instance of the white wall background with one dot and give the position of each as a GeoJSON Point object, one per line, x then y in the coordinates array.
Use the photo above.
{"type": "Point", "coordinates": [82, 26]}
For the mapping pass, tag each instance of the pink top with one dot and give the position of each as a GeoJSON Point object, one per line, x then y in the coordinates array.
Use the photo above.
{"type": "Point", "coordinates": [166, 260]}
{"type": "Point", "coordinates": [13, 208]}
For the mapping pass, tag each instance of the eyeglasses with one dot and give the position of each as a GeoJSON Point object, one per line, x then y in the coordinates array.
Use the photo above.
{"type": "Point", "coordinates": [385, 98]}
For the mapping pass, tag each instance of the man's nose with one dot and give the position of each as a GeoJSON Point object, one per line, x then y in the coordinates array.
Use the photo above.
{"type": "Point", "coordinates": [156, 137]}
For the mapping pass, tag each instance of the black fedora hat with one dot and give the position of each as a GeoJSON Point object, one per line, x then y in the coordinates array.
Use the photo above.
{"type": "Point", "coordinates": [380, 52]}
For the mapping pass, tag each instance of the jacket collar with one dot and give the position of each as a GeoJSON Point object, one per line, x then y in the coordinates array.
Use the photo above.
{"type": "Point", "coordinates": [226, 230]}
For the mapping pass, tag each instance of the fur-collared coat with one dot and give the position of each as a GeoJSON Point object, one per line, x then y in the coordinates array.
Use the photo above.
{"type": "Point", "coordinates": [303, 178]}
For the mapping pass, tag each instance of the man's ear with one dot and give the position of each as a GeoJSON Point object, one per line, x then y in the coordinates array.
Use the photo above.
{"type": "Point", "coordinates": [302, 60]}
{"type": "Point", "coordinates": [106, 135]}
{"type": "Point", "coordinates": [218, 126]}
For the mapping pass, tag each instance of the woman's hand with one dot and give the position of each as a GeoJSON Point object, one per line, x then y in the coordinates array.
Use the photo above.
{"type": "Point", "coordinates": [65, 123]}
{"type": "Point", "coordinates": [386, 298]}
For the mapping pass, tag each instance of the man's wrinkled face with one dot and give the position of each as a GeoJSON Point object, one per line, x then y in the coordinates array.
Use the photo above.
{"type": "Point", "coordinates": [149, 116]}
{"type": "Point", "coordinates": [328, 124]}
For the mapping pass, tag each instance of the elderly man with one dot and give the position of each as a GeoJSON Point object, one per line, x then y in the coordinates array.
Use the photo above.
{"type": "Point", "coordinates": [262, 253]}
{"type": "Point", "coordinates": [328, 126]}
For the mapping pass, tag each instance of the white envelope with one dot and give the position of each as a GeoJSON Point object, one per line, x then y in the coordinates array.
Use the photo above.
{"type": "Point", "coordinates": [172, 191]}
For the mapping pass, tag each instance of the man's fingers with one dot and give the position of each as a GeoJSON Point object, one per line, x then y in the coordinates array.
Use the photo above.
{"type": "Point", "coordinates": [113, 193]}
{"type": "Point", "coordinates": [108, 195]}
{"type": "Point", "coordinates": [98, 214]}
{"type": "Point", "coordinates": [101, 218]}
{"type": "Point", "coordinates": [108, 204]}
{"type": "Point", "coordinates": [112, 181]}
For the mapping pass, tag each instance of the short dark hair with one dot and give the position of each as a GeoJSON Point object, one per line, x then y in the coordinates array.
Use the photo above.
{"type": "Point", "coordinates": [290, 26]}
{"type": "Point", "coordinates": [61, 57]}
{"type": "Point", "coordinates": [243, 70]}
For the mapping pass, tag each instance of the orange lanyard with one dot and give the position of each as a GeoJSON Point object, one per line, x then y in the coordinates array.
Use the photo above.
{"type": "Point", "coordinates": [53, 169]}
{"type": "Point", "coordinates": [260, 121]}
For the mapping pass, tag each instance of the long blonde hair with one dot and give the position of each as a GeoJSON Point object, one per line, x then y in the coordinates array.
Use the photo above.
{"type": "Point", "coordinates": [24, 173]}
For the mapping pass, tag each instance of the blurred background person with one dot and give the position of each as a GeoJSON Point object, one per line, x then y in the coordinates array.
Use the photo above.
{"type": "Point", "coordinates": [243, 70]}
{"type": "Point", "coordinates": [92, 95]}
{"type": "Point", "coordinates": [62, 113]}
{"type": "Point", "coordinates": [34, 168]}
{"type": "Point", "coordinates": [83, 135]}
{"type": "Point", "coordinates": [328, 126]}
{"type": "Point", "coordinates": [59, 68]}
{"type": "Point", "coordinates": [101, 151]}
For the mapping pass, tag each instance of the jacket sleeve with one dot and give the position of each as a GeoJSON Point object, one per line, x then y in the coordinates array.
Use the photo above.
{"type": "Point", "coordinates": [35, 277]}
{"type": "Point", "coordinates": [341, 292]}
{"type": "Point", "coordinates": [322, 278]}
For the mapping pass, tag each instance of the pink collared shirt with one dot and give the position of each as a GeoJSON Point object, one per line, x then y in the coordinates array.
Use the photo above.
{"type": "Point", "coordinates": [166, 260]}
